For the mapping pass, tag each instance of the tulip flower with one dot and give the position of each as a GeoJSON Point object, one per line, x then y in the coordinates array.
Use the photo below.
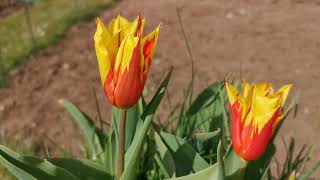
{"type": "Point", "coordinates": [124, 58]}
{"type": "Point", "coordinates": [255, 115]}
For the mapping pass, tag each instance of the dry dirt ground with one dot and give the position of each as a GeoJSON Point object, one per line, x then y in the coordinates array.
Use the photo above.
{"type": "Point", "coordinates": [8, 6]}
{"type": "Point", "coordinates": [275, 40]}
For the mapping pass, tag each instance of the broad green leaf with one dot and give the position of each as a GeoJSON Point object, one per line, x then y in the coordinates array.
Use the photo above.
{"type": "Point", "coordinates": [225, 120]}
{"type": "Point", "coordinates": [234, 166]}
{"type": "Point", "coordinates": [221, 170]}
{"type": "Point", "coordinates": [135, 141]}
{"type": "Point", "coordinates": [115, 115]}
{"type": "Point", "coordinates": [93, 135]}
{"type": "Point", "coordinates": [133, 154]}
{"type": "Point", "coordinates": [165, 156]}
{"type": "Point", "coordinates": [111, 153]}
{"type": "Point", "coordinates": [161, 166]}
{"type": "Point", "coordinates": [133, 115]}
{"type": "Point", "coordinates": [203, 137]}
{"type": "Point", "coordinates": [207, 109]}
{"type": "Point", "coordinates": [210, 173]}
{"type": "Point", "coordinates": [14, 170]}
{"type": "Point", "coordinates": [186, 159]}
{"type": "Point", "coordinates": [38, 168]}
{"type": "Point", "coordinates": [82, 169]}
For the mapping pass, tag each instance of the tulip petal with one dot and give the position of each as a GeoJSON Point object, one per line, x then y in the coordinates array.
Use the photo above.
{"type": "Point", "coordinates": [149, 44]}
{"type": "Point", "coordinates": [264, 89]}
{"type": "Point", "coordinates": [120, 27]}
{"type": "Point", "coordinates": [101, 36]}
{"type": "Point", "coordinates": [137, 26]}
{"type": "Point", "coordinates": [245, 89]}
{"type": "Point", "coordinates": [259, 140]}
{"type": "Point", "coordinates": [284, 90]}
{"type": "Point", "coordinates": [118, 24]}
{"type": "Point", "coordinates": [129, 84]}
{"type": "Point", "coordinates": [125, 53]}
{"type": "Point", "coordinates": [236, 127]}
{"type": "Point", "coordinates": [255, 115]}
{"type": "Point", "coordinates": [124, 59]}
{"type": "Point", "coordinates": [264, 108]}
{"type": "Point", "coordinates": [233, 93]}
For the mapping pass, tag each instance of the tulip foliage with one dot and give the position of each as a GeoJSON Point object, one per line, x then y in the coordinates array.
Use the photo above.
{"type": "Point", "coordinates": [226, 132]}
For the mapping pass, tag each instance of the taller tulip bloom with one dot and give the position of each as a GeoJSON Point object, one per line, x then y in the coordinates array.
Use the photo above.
{"type": "Point", "coordinates": [255, 115]}
{"type": "Point", "coordinates": [124, 58]}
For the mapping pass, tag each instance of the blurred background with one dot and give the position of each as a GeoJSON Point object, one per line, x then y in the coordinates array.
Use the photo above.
{"type": "Point", "coordinates": [47, 54]}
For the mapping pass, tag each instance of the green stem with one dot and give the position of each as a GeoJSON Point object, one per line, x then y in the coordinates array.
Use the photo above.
{"type": "Point", "coordinates": [122, 127]}
{"type": "Point", "coordinates": [29, 24]}
{"type": "Point", "coordinates": [2, 71]}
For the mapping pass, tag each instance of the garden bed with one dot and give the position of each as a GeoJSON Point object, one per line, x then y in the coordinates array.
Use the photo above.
{"type": "Point", "coordinates": [273, 41]}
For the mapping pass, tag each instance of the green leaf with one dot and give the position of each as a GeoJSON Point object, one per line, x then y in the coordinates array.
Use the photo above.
{"type": "Point", "coordinates": [161, 166]}
{"type": "Point", "coordinates": [234, 166]}
{"type": "Point", "coordinates": [221, 173]}
{"type": "Point", "coordinates": [186, 159]}
{"type": "Point", "coordinates": [135, 141]}
{"type": "Point", "coordinates": [207, 109]}
{"type": "Point", "coordinates": [210, 173]}
{"type": "Point", "coordinates": [133, 115]}
{"type": "Point", "coordinates": [165, 156]}
{"type": "Point", "coordinates": [93, 135]}
{"type": "Point", "coordinates": [133, 154]}
{"type": "Point", "coordinates": [16, 171]}
{"type": "Point", "coordinates": [203, 137]}
{"type": "Point", "coordinates": [31, 165]}
{"type": "Point", "coordinates": [225, 120]}
{"type": "Point", "coordinates": [231, 169]}
{"type": "Point", "coordinates": [111, 153]}
{"type": "Point", "coordinates": [82, 169]}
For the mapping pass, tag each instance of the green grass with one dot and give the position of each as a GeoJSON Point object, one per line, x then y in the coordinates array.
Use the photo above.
{"type": "Point", "coordinates": [50, 19]}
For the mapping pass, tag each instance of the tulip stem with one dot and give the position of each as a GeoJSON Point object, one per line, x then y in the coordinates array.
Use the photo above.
{"type": "Point", "coordinates": [122, 127]}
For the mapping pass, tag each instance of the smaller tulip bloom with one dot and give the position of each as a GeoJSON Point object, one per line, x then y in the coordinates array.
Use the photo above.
{"type": "Point", "coordinates": [255, 115]}
{"type": "Point", "coordinates": [124, 58]}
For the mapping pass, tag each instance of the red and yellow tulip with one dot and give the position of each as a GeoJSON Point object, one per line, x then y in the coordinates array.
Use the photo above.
{"type": "Point", "coordinates": [124, 58]}
{"type": "Point", "coordinates": [255, 115]}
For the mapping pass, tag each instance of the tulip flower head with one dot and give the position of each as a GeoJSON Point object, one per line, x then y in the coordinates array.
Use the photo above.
{"type": "Point", "coordinates": [124, 58]}
{"type": "Point", "coordinates": [255, 115]}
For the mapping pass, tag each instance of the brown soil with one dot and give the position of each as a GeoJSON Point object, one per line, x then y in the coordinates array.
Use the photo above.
{"type": "Point", "coordinates": [273, 40]}
{"type": "Point", "coordinates": [8, 6]}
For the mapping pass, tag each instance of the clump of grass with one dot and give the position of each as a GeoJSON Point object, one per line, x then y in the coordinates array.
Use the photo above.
{"type": "Point", "coordinates": [49, 19]}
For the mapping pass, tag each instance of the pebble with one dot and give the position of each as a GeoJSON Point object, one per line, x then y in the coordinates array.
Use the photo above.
{"type": "Point", "coordinates": [2, 107]}
{"type": "Point", "coordinates": [306, 110]}
{"type": "Point", "coordinates": [229, 15]}
{"type": "Point", "coordinates": [66, 66]}
{"type": "Point", "coordinates": [242, 12]}
{"type": "Point", "coordinates": [157, 61]}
